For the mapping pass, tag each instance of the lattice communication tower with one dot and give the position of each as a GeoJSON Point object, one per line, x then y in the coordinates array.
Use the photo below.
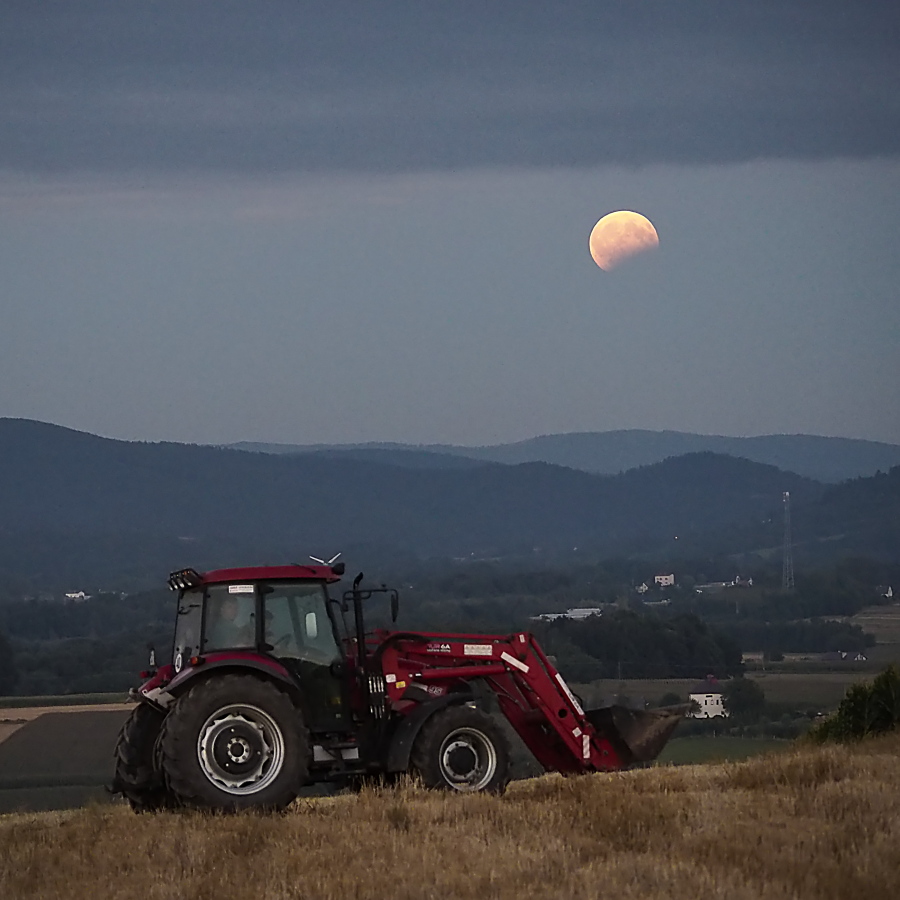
{"type": "Point", "coordinates": [787, 554]}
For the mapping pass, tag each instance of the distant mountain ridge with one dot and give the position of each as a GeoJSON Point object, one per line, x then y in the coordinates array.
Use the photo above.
{"type": "Point", "coordinates": [79, 509]}
{"type": "Point", "coordinates": [71, 502]}
{"type": "Point", "coordinates": [825, 459]}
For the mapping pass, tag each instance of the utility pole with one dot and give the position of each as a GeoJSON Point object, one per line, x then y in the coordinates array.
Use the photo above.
{"type": "Point", "coordinates": [787, 553]}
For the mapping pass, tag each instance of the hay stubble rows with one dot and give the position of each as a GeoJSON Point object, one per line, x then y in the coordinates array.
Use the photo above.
{"type": "Point", "coordinates": [813, 822]}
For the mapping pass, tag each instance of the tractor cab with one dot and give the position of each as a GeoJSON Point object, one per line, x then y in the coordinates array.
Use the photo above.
{"type": "Point", "coordinates": [261, 617]}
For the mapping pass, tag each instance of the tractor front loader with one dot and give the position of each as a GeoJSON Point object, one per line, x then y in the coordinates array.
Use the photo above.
{"type": "Point", "coordinates": [274, 684]}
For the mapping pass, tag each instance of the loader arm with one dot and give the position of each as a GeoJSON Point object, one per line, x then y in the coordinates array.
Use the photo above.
{"type": "Point", "coordinates": [531, 693]}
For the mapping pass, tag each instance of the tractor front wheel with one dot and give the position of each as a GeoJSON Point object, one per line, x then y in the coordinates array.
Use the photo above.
{"type": "Point", "coordinates": [234, 742]}
{"type": "Point", "coordinates": [136, 775]}
{"type": "Point", "coordinates": [462, 749]}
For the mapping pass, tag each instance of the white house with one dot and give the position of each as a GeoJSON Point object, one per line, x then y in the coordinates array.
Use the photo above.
{"type": "Point", "coordinates": [708, 697]}
{"type": "Point", "coordinates": [664, 580]}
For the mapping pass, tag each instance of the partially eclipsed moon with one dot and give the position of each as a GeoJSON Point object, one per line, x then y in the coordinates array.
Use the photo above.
{"type": "Point", "coordinates": [619, 236]}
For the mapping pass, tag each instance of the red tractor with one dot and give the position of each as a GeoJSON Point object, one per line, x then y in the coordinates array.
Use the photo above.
{"type": "Point", "coordinates": [274, 684]}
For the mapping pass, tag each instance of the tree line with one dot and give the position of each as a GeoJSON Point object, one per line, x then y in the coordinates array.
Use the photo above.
{"type": "Point", "coordinates": [101, 643]}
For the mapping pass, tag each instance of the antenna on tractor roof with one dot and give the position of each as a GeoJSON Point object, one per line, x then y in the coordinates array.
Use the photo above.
{"type": "Point", "coordinates": [322, 561]}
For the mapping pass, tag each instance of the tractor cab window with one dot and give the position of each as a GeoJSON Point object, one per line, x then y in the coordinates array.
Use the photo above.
{"type": "Point", "coordinates": [230, 617]}
{"type": "Point", "coordinates": [297, 625]}
{"type": "Point", "coordinates": [187, 624]}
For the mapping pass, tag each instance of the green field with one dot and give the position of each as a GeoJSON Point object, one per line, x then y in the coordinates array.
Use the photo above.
{"type": "Point", "coordinates": [882, 621]}
{"type": "Point", "coordinates": [23, 800]}
{"type": "Point", "coordinates": [61, 700]}
{"type": "Point", "coordinates": [818, 689]}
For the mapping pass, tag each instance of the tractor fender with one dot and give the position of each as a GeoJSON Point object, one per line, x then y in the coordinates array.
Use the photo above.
{"type": "Point", "coordinates": [251, 663]}
{"type": "Point", "coordinates": [406, 732]}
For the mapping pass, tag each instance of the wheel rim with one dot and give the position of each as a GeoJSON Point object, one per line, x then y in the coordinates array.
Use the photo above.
{"type": "Point", "coordinates": [240, 749]}
{"type": "Point", "coordinates": [468, 759]}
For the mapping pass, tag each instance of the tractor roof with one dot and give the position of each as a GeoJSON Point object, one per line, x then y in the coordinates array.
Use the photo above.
{"type": "Point", "coordinates": [185, 578]}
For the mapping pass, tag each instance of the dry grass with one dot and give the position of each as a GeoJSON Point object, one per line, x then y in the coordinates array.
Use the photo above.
{"type": "Point", "coordinates": [816, 822]}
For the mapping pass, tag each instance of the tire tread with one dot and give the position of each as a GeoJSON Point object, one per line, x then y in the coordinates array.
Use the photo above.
{"type": "Point", "coordinates": [136, 775]}
{"type": "Point", "coordinates": [426, 748]}
{"type": "Point", "coordinates": [176, 746]}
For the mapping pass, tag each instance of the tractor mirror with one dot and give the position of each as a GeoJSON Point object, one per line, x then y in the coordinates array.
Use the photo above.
{"type": "Point", "coordinates": [312, 626]}
{"type": "Point", "coordinates": [395, 605]}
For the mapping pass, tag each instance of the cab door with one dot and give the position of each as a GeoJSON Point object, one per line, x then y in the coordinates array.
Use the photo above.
{"type": "Point", "coordinates": [298, 631]}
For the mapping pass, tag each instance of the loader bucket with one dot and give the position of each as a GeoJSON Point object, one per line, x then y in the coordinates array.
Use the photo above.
{"type": "Point", "coordinates": [638, 734]}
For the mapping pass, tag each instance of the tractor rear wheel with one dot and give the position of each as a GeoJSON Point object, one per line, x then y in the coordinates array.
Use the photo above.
{"type": "Point", "coordinates": [462, 749]}
{"type": "Point", "coordinates": [136, 776]}
{"type": "Point", "coordinates": [234, 742]}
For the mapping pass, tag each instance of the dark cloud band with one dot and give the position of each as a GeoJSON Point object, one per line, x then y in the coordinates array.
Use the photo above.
{"type": "Point", "coordinates": [277, 86]}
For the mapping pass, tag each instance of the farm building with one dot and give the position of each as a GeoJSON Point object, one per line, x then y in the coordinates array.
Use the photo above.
{"type": "Point", "coordinates": [707, 695]}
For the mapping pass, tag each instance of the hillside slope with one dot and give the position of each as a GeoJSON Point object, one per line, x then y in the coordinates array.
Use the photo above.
{"type": "Point", "coordinates": [859, 517]}
{"type": "Point", "coordinates": [809, 824]}
{"type": "Point", "coordinates": [61, 491]}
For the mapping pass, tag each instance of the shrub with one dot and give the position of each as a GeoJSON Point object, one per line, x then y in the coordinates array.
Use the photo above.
{"type": "Point", "coordinates": [671, 699]}
{"type": "Point", "coordinates": [867, 709]}
{"type": "Point", "coordinates": [744, 700]}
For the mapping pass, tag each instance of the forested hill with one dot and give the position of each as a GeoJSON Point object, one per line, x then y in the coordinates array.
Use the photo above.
{"type": "Point", "coordinates": [860, 517]}
{"type": "Point", "coordinates": [827, 459]}
{"type": "Point", "coordinates": [82, 506]}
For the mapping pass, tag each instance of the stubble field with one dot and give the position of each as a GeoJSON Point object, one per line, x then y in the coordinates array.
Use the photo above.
{"type": "Point", "coordinates": [813, 822]}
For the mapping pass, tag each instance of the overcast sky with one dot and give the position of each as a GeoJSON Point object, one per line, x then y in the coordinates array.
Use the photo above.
{"type": "Point", "coordinates": [325, 222]}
